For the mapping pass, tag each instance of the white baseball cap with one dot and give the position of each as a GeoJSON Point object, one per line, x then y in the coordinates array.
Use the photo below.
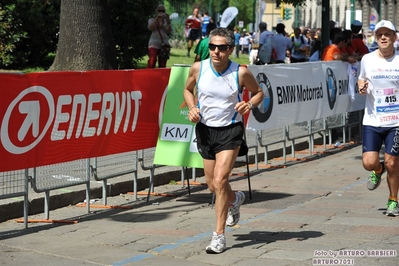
{"type": "Point", "coordinates": [384, 24]}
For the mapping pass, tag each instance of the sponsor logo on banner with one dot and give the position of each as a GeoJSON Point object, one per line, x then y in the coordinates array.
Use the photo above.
{"type": "Point", "coordinates": [83, 112]}
{"type": "Point", "coordinates": [263, 112]}
{"type": "Point", "coordinates": [335, 87]}
{"type": "Point", "coordinates": [331, 87]}
{"type": "Point", "coordinates": [48, 118]}
{"type": "Point", "coordinates": [297, 94]}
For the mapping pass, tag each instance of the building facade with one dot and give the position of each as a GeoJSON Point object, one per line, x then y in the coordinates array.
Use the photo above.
{"type": "Point", "coordinates": [369, 12]}
{"type": "Point", "coordinates": [343, 12]}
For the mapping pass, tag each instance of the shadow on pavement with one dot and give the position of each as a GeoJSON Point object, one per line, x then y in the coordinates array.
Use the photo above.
{"type": "Point", "coordinates": [265, 237]}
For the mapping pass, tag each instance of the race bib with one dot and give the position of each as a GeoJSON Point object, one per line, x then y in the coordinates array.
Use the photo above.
{"type": "Point", "coordinates": [387, 105]}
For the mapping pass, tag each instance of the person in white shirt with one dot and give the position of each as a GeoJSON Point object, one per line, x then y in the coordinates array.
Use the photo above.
{"type": "Point", "coordinates": [379, 81]}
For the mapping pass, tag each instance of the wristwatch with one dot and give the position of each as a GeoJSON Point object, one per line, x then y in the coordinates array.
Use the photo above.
{"type": "Point", "coordinates": [251, 106]}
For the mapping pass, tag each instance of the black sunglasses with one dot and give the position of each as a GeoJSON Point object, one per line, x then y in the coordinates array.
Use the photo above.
{"type": "Point", "coordinates": [221, 47]}
{"type": "Point", "coordinates": [161, 11]}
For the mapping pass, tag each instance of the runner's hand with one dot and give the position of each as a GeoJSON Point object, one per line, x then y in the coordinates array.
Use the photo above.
{"type": "Point", "coordinates": [363, 89]}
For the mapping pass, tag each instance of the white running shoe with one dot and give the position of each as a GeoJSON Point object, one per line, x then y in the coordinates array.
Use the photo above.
{"type": "Point", "coordinates": [217, 245]}
{"type": "Point", "coordinates": [233, 216]}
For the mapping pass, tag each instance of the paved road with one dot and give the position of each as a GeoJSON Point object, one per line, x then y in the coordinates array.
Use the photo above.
{"type": "Point", "coordinates": [302, 214]}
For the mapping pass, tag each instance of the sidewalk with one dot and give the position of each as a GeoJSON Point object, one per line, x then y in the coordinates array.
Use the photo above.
{"type": "Point", "coordinates": [301, 214]}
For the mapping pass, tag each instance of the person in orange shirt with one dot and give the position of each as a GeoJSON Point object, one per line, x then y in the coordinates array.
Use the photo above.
{"type": "Point", "coordinates": [334, 52]}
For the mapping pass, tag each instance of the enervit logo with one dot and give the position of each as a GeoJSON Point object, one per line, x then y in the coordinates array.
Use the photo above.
{"type": "Point", "coordinates": [69, 116]}
{"type": "Point", "coordinates": [331, 87]}
{"type": "Point", "coordinates": [263, 112]}
{"type": "Point", "coordinates": [32, 111]}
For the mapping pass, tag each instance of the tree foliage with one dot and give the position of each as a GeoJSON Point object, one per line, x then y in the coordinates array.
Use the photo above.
{"type": "Point", "coordinates": [28, 32]}
{"type": "Point", "coordinates": [295, 2]}
{"type": "Point", "coordinates": [129, 21]}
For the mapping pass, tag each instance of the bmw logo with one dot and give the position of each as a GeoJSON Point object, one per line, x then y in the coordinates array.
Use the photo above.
{"type": "Point", "coordinates": [263, 112]}
{"type": "Point", "coordinates": [331, 87]}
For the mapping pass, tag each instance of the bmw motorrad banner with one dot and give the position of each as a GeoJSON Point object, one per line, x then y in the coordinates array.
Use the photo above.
{"type": "Point", "coordinates": [297, 93]}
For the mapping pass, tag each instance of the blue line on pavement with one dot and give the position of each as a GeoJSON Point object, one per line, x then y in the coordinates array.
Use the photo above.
{"type": "Point", "coordinates": [361, 182]}
{"type": "Point", "coordinates": [134, 259]}
{"type": "Point", "coordinates": [207, 234]}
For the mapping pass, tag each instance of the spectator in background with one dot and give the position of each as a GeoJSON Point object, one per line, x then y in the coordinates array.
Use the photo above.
{"type": "Point", "coordinates": [206, 19]}
{"type": "Point", "coordinates": [357, 43]}
{"type": "Point", "coordinates": [348, 45]}
{"type": "Point", "coordinates": [264, 39]}
{"type": "Point", "coordinates": [237, 37]}
{"type": "Point", "coordinates": [304, 32]}
{"type": "Point", "coordinates": [194, 22]}
{"type": "Point", "coordinates": [253, 54]}
{"type": "Point", "coordinates": [241, 42]}
{"type": "Point", "coordinates": [160, 28]}
{"type": "Point", "coordinates": [202, 49]}
{"type": "Point", "coordinates": [334, 31]}
{"type": "Point", "coordinates": [255, 37]}
{"type": "Point", "coordinates": [335, 50]}
{"type": "Point", "coordinates": [282, 43]}
{"type": "Point", "coordinates": [315, 48]}
{"type": "Point", "coordinates": [299, 47]}
{"type": "Point", "coordinates": [312, 39]}
{"type": "Point", "coordinates": [246, 42]}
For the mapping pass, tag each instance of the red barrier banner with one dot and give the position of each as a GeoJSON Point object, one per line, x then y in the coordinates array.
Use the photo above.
{"type": "Point", "coordinates": [55, 117]}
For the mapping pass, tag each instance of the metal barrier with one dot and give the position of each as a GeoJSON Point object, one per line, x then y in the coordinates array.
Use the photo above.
{"type": "Point", "coordinates": [297, 131]}
{"type": "Point", "coordinates": [106, 167]}
{"type": "Point", "coordinates": [15, 184]}
{"type": "Point", "coordinates": [252, 143]}
{"type": "Point", "coordinates": [353, 119]}
{"type": "Point", "coordinates": [55, 176]}
{"type": "Point", "coordinates": [146, 159]}
{"type": "Point", "coordinates": [269, 137]}
{"type": "Point", "coordinates": [335, 122]}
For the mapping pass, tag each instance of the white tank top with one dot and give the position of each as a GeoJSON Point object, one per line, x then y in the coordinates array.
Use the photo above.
{"type": "Point", "coordinates": [218, 93]}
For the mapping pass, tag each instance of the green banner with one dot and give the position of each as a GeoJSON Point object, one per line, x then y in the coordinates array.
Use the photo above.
{"type": "Point", "coordinates": [176, 144]}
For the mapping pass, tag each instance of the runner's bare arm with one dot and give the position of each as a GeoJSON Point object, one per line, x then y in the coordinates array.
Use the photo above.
{"type": "Point", "coordinates": [248, 81]}
{"type": "Point", "coordinates": [189, 95]}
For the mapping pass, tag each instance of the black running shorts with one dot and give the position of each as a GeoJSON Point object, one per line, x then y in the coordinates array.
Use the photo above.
{"type": "Point", "coordinates": [211, 140]}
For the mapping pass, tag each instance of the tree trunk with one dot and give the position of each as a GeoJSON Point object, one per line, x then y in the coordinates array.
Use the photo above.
{"type": "Point", "coordinates": [85, 38]}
